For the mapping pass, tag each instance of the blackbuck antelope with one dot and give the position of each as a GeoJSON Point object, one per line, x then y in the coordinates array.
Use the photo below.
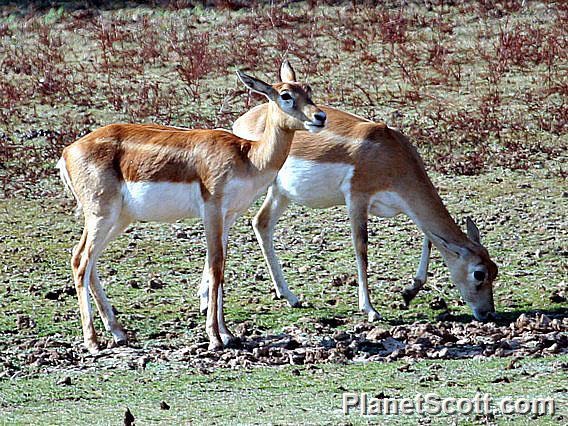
{"type": "Point", "coordinates": [372, 169]}
{"type": "Point", "coordinates": [125, 172]}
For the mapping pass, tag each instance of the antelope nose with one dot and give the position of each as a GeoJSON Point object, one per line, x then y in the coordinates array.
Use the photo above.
{"type": "Point", "coordinates": [320, 116]}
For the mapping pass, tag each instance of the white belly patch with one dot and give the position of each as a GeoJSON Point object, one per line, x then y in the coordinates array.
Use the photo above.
{"type": "Point", "coordinates": [313, 184]}
{"type": "Point", "coordinates": [386, 204]}
{"type": "Point", "coordinates": [162, 201]}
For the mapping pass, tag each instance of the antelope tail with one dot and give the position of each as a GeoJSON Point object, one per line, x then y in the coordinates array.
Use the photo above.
{"type": "Point", "coordinates": [62, 166]}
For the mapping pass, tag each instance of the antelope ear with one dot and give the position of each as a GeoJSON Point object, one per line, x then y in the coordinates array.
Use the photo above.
{"type": "Point", "coordinates": [287, 73]}
{"type": "Point", "coordinates": [451, 247]}
{"type": "Point", "coordinates": [258, 86]}
{"type": "Point", "coordinates": [472, 231]}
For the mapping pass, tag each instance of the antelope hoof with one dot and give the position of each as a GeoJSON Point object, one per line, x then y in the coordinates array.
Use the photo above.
{"type": "Point", "coordinates": [408, 296]}
{"type": "Point", "coordinates": [295, 302]}
{"type": "Point", "coordinates": [291, 298]}
{"type": "Point", "coordinates": [215, 345]}
{"type": "Point", "coordinates": [121, 342]}
{"type": "Point", "coordinates": [232, 342]}
{"type": "Point", "coordinates": [119, 336]}
{"type": "Point", "coordinates": [410, 292]}
{"type": "Point", "coordinates": [92, 347]}
{"type": "Point", "coordinates": [373, 316]}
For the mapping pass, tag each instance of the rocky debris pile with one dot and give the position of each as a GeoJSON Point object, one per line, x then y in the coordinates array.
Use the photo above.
{"type": "Point", "coordinates": [528, 335]}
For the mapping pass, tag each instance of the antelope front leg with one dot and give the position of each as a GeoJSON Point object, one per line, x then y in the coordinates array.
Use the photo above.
{"type": "Point", "coordinates": [410, 292]}
{"type": "Point", "coordinates": [358, 207]}
{"type": "Point", "coordinates": [203, 291]}
{"type": "Point", "coordinates": [215, 256]}
{"type": "Point", "coordinates": [227, 337]}
{"type": "Point", "coordinates": [264, 222]}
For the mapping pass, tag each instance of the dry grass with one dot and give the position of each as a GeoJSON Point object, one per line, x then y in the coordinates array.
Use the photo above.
{"type": "Point", "coordinates": [477, 85]}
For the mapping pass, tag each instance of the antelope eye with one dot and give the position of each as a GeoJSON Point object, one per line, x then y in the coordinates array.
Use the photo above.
{"type": "Point", "coordinates": [479, 275]}
{"type": "Point", "coordinates": [285, 97]}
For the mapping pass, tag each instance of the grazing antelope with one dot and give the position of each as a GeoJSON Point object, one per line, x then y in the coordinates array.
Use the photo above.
{"type": "Point", "coordinates": [372, 169]}
{"type": "Point", "coordinates": [125, 172]}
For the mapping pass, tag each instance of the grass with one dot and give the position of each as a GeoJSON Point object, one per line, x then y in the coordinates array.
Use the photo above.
{"type": "Point", "coordinates": [287, 395]}
{"type": "Point", "coordinates": [36, 242]}
{"type": "Point", "coordinates": [37, 238]}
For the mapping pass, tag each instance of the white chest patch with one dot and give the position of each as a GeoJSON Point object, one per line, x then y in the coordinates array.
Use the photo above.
{"type": "Point", "coordinates": [313, 184]}
{"type": "Point", "coordinates": [241, 193]}
{"type": "Point", "coordinates": [162, 201]}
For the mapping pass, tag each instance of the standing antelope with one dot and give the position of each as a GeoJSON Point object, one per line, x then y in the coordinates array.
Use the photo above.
{"type": "Point", "coordinates": [373, 169]}
{"type": "Point", "coordinates": [125, 172]}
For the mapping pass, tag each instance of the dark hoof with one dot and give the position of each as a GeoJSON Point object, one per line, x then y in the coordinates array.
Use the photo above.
{"type": "Point", "coordinates": [408, 296]}
{"type": "Point", "coordinates": [234, 343]}
{"type": "Point", "coordinates": [298, 304]}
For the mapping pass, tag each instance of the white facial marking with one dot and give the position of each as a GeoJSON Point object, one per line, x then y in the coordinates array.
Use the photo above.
{"type": "Point", "coordinates": [286, 105]}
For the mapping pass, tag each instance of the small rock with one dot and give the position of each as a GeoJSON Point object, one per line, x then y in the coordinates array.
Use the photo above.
{"type": "Point", "coordinates": [522, 321]}
{"type": "Point", "coordinates": [318, 239]}
{"type": "Point", "coordinates": [377, 333]}
{"type": "Point", "coordinates": [296, 359]}
{"type": "Point", "coordinates": [155, 284]}
{"type": "Point", "coordinates": [438, 304]}
{"type": "Point", "coordinates": [66, 381]}
{"type": "Point", "coordinates": [24, 321]}
{"type": "Point", "coordinates": [142, 361]}
{"type": "Point", "coordinates": [445, 316]}
{"type": "Point", "coordinates": [340, 335]}
{"type": "Point", "coordinates": [443, 353]}
{"type": "Point", "coordinates": [542, 321]}
{"type": "Point", "coordinates": [554, 349]}
{"type": "Point", "coordinates": [181, 235]}
{"type": "Point", "coordinates": [53, 295]}
{"type": "Point", "coordinates": [328, 343]}
{"type": "Point", "coordinates": [242, 330]}
{"type": "Point", "coordinates": [134, 284]}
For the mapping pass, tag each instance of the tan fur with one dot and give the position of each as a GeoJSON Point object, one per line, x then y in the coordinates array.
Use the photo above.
{"type": "Point", "coordinates": [374, 149]}
{"type": "Point", "coordinates": [99, 163]}
{"type": "Point", "coordinates": [383, 160]}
